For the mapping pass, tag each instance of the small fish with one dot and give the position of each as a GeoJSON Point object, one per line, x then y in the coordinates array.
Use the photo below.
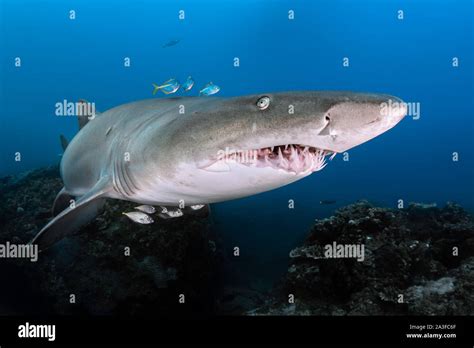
{"type": "Point", "coordinates": [209, 89]}
{"type": "Point", "coordinates": [171, 43]}
{"type": "Point", "coordinates": [170, 213]}
{"type": "Point", "coordinates": [139, 217]}
{"type": "Point", "coordinates": [197, 206]}
{"type": "Point", "coordinates": [175, 213]}
{"type": "Point", "coordinates": [146, 209]}
{"type": "Point", "coordinates": [188, 84]}
{"type": "Point", "coordinates": [327, 202]}
{"type": "Point", "coordinates": [168, 87]}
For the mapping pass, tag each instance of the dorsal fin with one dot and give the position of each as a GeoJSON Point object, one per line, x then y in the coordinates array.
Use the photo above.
{"type": "Point", "coordinates": [84, 119]}
{"type": "Point", "coordinates": [64, 142]}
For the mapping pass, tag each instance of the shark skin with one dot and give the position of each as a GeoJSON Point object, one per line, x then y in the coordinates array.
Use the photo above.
{"type": "Point", "coordinates": [191, 150]}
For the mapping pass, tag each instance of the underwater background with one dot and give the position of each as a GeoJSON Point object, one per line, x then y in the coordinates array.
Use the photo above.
{"type": "Point", "coordinates": [412, 58]}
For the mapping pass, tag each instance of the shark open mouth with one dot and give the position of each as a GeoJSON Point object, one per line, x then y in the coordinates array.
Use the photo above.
{"type": "Point", "coordinates": [292, 158]}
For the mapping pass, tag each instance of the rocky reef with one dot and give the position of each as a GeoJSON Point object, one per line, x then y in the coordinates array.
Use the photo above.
{"type": "Point", "coordinates": [167, 259]}
{"type": "Point", "coordinates": [417, 261]}
{"type": "Point", "coordinates": [413, 261]}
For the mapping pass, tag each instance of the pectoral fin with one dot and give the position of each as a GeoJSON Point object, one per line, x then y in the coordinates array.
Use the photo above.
{"type": "Point", "coordinates": [62, 201]}
{"type": "Point", "coordinates": [71, 219]}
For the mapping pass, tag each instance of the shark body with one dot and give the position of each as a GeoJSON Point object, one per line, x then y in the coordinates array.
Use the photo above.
{"type": "Point", "coordinates": [205, 150]}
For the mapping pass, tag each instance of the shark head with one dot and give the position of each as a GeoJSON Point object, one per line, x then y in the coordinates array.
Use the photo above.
{"type": "Point", "coordinates": [231, 148]}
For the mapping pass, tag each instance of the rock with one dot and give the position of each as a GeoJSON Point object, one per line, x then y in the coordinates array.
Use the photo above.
{"type": "Point", "coordinates": [166, 258]}
{"type": "Point", "coordinates": [410, 265]}
{"type": "Point", "coordinates": [234, 301]}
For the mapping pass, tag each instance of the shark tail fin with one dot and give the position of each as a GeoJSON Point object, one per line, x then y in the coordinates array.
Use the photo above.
{"type": "Point", "coordinates": [64, 142]}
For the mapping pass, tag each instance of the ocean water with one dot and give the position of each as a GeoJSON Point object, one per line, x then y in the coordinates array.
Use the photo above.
{"type": "Point", "coordinates": [412, 58]}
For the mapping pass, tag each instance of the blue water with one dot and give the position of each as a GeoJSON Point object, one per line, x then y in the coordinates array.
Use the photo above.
{"type": "Point", "coordinates": [411, 58]}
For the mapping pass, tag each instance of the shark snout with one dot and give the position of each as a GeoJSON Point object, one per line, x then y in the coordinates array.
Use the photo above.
{"type": "Point", "coordinates": [391, 112]}
{"type": "Point", "coordinates": [359, 118]}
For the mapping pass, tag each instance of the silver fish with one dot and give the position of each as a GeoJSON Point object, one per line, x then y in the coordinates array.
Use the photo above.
{"type": "Point", "coordinates": [197, 206]}
{"type": "Point", "coordinates": [139, 217]}
{"type": "Point", "coordinates": [168, 87]}
{"type": "Point", "coordinates": [170, 213]}
{"type": "Point", "coordinates": [146, 209]}
{"type": "Point", "coordinates": [175, 213]}
{"type": "Point", "coordinates": [209, 89]}
{"type": "Point", "coordinates": [188, 84]}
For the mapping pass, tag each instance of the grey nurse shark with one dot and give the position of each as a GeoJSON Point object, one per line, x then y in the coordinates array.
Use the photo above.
{"type": "Point", "coordinates": [200, 150]}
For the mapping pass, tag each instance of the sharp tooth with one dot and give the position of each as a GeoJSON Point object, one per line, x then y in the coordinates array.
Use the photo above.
{"type": "Point", "coordinates": [272, 148]}
{"type": "Point", "coordinates": [295, 161]}
{"type": "Point", "coordinates": [267, 161]}
{"type": "Point", "coordinates": [293, 154]}
{"type": "Point", "coordinates": [319, 162]}
{"type": "Point", "coordinates": [286, 146]}
{"type": "Point", "coordinates": [280, 155]}
{"type": "Point", "coordinates": [284, 163]}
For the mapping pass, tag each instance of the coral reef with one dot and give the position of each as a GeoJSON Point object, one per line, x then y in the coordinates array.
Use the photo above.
{"type": "Point", "coordinates": [414, 261]}
{"type": "Point", "coordinates": [167, 258]}
{"type": "Point", "coordinates": [418, 261]}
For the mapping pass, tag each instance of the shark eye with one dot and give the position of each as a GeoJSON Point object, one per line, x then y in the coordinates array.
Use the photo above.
{"type": "Point", "coordinates": [263, 103]}
{"type": "Point", "coordinates": [327, 118]}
